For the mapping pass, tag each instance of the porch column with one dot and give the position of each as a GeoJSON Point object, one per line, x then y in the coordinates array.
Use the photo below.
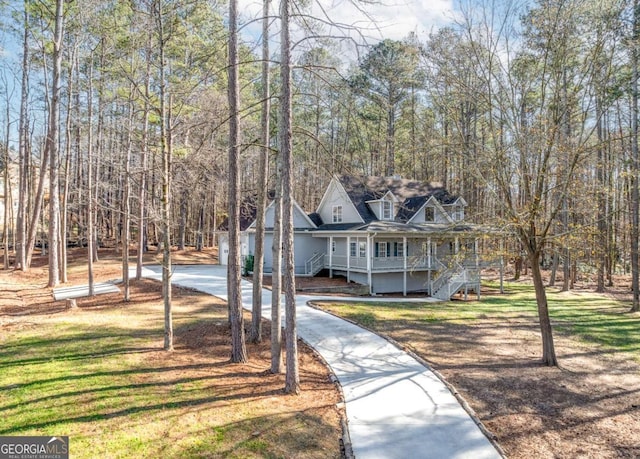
{"type": "Point", "coordinates": [369, 257]}
{"type": "Point", "coordinates": [404, 271]}
{"type": "Point", "coordinates": [331, 257]}
{"type": "Point", "coordinates": [429, 265]}
{"type": "Point", "coordinates": [349, 258]}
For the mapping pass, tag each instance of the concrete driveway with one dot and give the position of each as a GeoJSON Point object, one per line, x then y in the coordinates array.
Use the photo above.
{"type": "Point", "coordinates": [396, 407]}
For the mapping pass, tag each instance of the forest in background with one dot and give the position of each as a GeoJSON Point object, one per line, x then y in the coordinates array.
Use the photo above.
{"type": "Point", "coordinates": [529, 111]}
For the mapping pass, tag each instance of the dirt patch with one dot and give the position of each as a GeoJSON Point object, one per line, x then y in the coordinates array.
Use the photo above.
{"type": "Point", "coordinates": [589, 407]}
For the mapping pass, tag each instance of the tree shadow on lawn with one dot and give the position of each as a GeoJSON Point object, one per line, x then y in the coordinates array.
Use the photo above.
{"type": "Point", "coordinates": [116, 385]}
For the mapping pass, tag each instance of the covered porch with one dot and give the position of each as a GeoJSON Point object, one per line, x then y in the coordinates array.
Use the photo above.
{"type": "Point", "coordinates": [389, 262]}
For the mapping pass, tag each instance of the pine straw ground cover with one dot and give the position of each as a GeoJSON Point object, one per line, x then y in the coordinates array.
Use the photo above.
{"type": "Point", "coordinates": [99, 375]}
{"type": "Point", "coordinates": [489, 351]}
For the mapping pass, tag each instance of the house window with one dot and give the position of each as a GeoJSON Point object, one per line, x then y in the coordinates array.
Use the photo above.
{"type": "Point", "coordinates": [458, 213]}
{"type": "Point", "coordinates": [429, 214]}
{"type": "Point", "coordinates": [399, 249]}
{"type": "Point", "coordinates": [337, 214]}
{"type": "Point", "coordinates": [362, 249]}
{"type": "Point", "coordinates": [382, 250]}
{"type": "Point", "coordinates": [352, 249]}
{"type": "Point", "coordinates": [387, 206]}
{"type": "Point", "coordinates": [333, 246]}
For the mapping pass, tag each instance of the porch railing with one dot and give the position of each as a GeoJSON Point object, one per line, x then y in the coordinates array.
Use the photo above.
{"type": "Point", "coordinates": [314, 264]}
{"type": "Point", "coordinates": [383, 263]}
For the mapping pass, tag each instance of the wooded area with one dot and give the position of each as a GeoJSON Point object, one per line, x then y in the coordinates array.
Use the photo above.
{"type": "Point", "coordinates": [117, 125]}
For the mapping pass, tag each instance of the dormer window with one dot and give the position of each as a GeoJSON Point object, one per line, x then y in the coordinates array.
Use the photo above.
{"type": "Point", "coordinates": [458, 213]}
{"type": "Point", "coordinates": [429, 214]}
{"type": "Point", "coordinates": [387, 210]}
{"type": "Point", "coordinates": [336, 214]}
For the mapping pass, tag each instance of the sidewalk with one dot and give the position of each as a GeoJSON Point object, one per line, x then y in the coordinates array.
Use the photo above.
{"type": "Point", "coordinates": [395, 406]}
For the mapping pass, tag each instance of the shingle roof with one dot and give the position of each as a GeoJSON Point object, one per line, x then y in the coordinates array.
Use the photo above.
{"type": "Point", "coordinates": [411, 193]}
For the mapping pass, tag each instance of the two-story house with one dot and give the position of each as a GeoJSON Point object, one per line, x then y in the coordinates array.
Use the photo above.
{"type": "Point", "coordinates": [392, 234]}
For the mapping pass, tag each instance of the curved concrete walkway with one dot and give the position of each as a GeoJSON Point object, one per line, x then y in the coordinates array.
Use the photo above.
{"type": "Point", "coordinates": [395, 406]}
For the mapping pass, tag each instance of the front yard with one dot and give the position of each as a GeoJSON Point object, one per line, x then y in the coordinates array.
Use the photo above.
{"type": "Point", "coordinates": [490, 350]}
{"type": "Point", "coordinates": [99, 375]}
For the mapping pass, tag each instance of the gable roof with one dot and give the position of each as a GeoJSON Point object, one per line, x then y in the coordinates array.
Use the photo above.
{"type": "Point", "coordinates": [411, 194]}
{"type": "Point", "coordinates": [247, 214]}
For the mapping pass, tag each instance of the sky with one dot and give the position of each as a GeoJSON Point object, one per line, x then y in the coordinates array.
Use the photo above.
{"type": "Point", "coordinates": [374, 19]}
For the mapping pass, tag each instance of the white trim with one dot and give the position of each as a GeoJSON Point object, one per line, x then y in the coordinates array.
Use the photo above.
{"type": "Point", "coordinates": [345, 197]}
{"type": "Point", "coordinates": [295, 205]}
{"type": "Point", "coordinates": [437, 205]}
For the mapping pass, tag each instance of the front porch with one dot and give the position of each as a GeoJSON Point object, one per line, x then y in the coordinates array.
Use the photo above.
{"type": "Point", "coordinates": [391, 264]}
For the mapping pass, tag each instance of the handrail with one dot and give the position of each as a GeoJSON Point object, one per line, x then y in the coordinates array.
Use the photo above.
{"type": "Point", "coordinates": [314, 264]}
{"type": "Point", "coordinates": [449, 281]}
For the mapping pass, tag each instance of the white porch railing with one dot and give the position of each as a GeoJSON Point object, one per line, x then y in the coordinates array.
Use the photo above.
{"type": "Point", "coordinates": [383, 263]}
{"type": "Point", "coordinates": [452, 280]}
{"type": "Point", "coordinates": [314, 265]}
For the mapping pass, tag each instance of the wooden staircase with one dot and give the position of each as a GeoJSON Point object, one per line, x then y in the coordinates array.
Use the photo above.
{"type": "Point", "coordinates": [452, 280]}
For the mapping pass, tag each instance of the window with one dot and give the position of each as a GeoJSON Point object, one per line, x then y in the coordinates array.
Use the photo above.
{"type": "Point", "coordinates": [399, 249]}
{"type": "Point", "coordinates": [333, 246]}
{"type": "Point", "coordinates": [429, 214]}
{"type": "Point", "coordinates": [387, 206]}
{"type": "Point", "coordinates": [382, 250]}
{"type": "Point", "coordinates": [337, 214]}
{"type": "Point", "coordinates": [458, 213]}
{"type": "Point", "coordinates": [362, 249]}
{"type": "Point", "coordinates": [352, 249]}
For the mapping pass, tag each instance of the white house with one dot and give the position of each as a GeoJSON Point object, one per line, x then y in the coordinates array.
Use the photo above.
{"type": "Point", "coordinates": [392, 234]}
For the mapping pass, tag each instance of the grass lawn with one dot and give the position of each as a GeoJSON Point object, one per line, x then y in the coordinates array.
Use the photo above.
{"type": "Point", "coordinates": [490, 350]}
{"type": "Point", "coordinates": [99, 375]}
{"type": "Point", "coordinates": [590, 317]}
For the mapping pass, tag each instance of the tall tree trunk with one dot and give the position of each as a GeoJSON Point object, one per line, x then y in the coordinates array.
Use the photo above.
{"type": "Point", "coordinates": [23, 135]}
{"type": "Point", "coordinates": [91, 201]}
{"type": "Point", "coordinates": [602, 251]}
{"type": "Point", "coordinates": [142, 228]}
{"type": "Point", "coordinates": [292, 377]}
{"type": "Point", "coordinates": [126, 202]}
{"type": "Point", "coordinates": [165, 143]}
{"type": "Point", "coordinates": [238, 349]}
{"type": "Point", "coordinates": [98, 152]}
{"type": "Point", "coordinates": [7, 201]}
{"type": "Point", "coordinates": [67, 166]}
{"type": "Point", "coordinates": [276, 274]}
{"type": "Point", "coordinates": [54, 151]}
{"type": "Point", "coordinates": [391, 140]}
{"type": "Point", "coordinates": [263, 171]}
{"type": "Point", "coordinates": [635, 164]}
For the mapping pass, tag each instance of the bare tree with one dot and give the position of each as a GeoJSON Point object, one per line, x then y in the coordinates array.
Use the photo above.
{"type": "Point", "coordinates": [635, 161]}
{"type": "Point", "coordinates": [292, 377]}
{"type": "Point", "coordinates": [23, 159]}
{"type": "Point", "coordinates": [165, 147]}
{"type": "Point", "coordinates": [238, 349]}
{"type": "Point", "coordinates": [263, 173]}
{"type": "Point", "coordinates": [52, 145]}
